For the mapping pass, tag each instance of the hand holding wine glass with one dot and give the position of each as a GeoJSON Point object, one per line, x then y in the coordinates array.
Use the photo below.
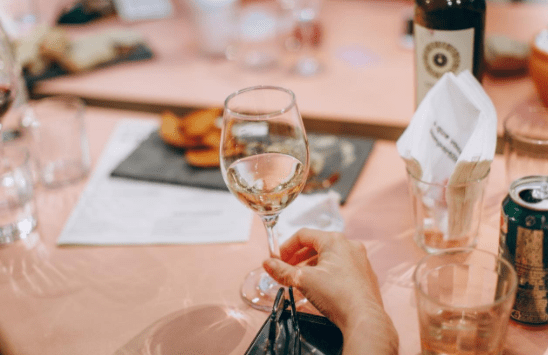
{"type": "Point", "coordinates": [264, 161]}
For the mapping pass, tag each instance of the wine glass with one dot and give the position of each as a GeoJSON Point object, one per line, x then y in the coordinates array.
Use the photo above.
{"type": "Point", "coordinates": [308, 31]}
{"type": "Point", "coordinates": [264, 162]}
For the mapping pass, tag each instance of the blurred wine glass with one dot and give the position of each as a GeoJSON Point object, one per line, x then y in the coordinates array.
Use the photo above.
{"type": "Point", "coordinates": [264, 162]}
{"type": "Point", "coordinates": [308, 33]}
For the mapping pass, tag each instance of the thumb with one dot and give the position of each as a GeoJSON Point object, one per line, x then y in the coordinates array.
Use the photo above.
{"type": "Point", "coordinates": [281, 272]}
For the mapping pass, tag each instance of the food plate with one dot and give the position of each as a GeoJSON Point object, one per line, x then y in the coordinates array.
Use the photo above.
{"type": "Point", "coordinates": [336, 163]}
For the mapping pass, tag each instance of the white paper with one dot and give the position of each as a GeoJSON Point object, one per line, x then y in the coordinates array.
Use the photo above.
{"type": "Point", "coordinates": [451, 140]}
{"type": "Point", "coordinates": [115, 211]}
{"type": "Point", "coordinates": [453, 134]}
{"type": "Point", "coordinates": [317, 211]}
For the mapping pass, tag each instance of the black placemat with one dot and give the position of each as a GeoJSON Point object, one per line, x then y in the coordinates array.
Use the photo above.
{"type": "Point", "coordinates": [154, 160]}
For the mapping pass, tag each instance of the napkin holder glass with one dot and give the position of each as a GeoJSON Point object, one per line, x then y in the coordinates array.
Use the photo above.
{"type": "Point", "coordinates": [289, 332]}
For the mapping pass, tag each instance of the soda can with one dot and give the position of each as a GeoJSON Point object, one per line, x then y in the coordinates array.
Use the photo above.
{"type": "Point", "coordinates": [524, 242]}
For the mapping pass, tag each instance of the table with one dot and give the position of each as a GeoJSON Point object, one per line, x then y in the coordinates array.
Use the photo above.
{"type": "Point", "coordinates": [157, 299]}
{"type": "Point", "coordinates": [366, 88]}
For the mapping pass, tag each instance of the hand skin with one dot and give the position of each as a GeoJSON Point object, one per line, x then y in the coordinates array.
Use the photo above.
{"type": "Point", "coordinates": [335, 275]}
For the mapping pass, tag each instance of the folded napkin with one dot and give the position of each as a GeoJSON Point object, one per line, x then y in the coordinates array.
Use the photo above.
{"type": "Point", "coordinates": [451, 139]}
{"type": "Point", "coordinates": [452, 135]}
{"type": "Point", "coordinates": [318, 211]}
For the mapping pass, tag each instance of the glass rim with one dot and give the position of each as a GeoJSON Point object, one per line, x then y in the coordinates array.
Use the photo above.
{"type": "Point", "coordinates": [498, 258]}
{"type": "Point", "coordinates": [460, 184]}
{"type": "Point", "coordinates": [521, 137]}
{"type": "Point", "coordinates": [291, 104]}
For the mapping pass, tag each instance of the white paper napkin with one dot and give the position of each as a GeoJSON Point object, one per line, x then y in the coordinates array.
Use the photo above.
{"type": "Point", "coordinates": [452, 135]}
{"type": "Point", "coordinates": [317, 211]}
{"type": "Point", "coordinates": [451, 140]}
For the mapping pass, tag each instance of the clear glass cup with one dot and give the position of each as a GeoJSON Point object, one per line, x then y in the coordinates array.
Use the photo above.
{"type": "Point", "coordinates": [257, 39]}
{"type": "Point", "coordinates": [446, 215]}
{"type": "Point", "coordinates": [526, 142]}
{"type": "Point", "coordinates": [264, 162]}
{"type": "Point", "coordinates": [464, 299]}
{"type": "Point", "coordinates": [60, 139]}
{"type": "Point", "coordinates": [18, 215]}
{"type": "Point", "coordinates": [214, 24]}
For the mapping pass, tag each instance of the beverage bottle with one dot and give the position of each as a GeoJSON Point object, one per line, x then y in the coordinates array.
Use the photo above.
{"type": "Point", "coordinates": [448, 37]}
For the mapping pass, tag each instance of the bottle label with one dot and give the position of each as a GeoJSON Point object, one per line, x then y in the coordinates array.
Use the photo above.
{"type": "Point", "coordinates": [438, 52]}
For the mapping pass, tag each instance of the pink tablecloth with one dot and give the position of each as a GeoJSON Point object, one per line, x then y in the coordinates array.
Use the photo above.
{"type": "Point", "coordinates": [160, 299]}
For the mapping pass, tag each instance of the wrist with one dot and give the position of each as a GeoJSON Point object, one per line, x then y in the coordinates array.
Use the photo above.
{"type": "Point", "coordinates": [370, 329]}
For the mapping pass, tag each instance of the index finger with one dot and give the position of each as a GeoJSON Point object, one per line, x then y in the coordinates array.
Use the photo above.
{"type": "Point", "coordinates": [304, 238]}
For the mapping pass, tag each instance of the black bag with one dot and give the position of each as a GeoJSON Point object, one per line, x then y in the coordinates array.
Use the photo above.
{"type": "Point", "coordinates": [288, 332]}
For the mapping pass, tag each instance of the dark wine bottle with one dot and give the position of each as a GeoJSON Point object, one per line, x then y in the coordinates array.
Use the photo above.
{"type": "Point", "coordinates": [448, 37]}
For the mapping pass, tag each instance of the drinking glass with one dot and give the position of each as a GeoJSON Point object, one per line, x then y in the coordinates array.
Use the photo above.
{"type": "Point", "coordinates": [447, 215]}
{"type": "Point", "coordinates": [60, 141]}
{"type": "Point", "coordinates": [464, 299]}
{"type": "Point", "coordinates": [17, 206]}
{"type": "Point", "coordinates": [257, 38]}
{"type": "Point", "coordinates": [526, 142]}
{"type": "Point", "coordinates": [264, 162]}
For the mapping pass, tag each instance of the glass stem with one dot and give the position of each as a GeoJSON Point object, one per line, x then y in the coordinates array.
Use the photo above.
{"type": "Point", "coordinates": [272, 235]}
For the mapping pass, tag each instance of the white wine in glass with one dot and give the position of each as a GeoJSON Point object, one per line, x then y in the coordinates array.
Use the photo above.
{"type": "Point", "coordinates": [264, 161]}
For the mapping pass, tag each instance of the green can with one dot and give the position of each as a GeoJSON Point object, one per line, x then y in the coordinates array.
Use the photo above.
{"type": "Point", "coordinates": [524, 242]}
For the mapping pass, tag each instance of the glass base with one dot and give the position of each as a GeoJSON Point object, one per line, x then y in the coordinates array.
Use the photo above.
{"type": "Point", "coordinates": [433, 241]}
{"type": "Point", "coordinates": [63, 172]}
{"type": "Point", "coordinates": [259, 291]}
